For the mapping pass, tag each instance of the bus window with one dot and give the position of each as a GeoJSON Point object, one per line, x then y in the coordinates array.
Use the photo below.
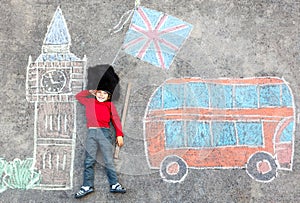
{"type": "Point", "coordinates": [221, 96]}
{"type": "Point", "coordinates": [223, 133]}
{"type": "Point", "coordinates": [269, 95]}
{"type": "Point", "coordinates": [173, 96]}
{"type": "Point", "coordinates": [250, 133]}
{"type": "Point", "coordinates": [198, 134]}
{"type": "Point", "coordinates": [197, 95]}
{"type": "Point", "coordinates": [156, 101]}
{"type": "Point", "coordinates": [286, 96]}
{"type": "Point", "coordinates": [287, 133]}
{"type": "Point", "coordinates": [174, 133]}
{"type": "Point", "coordinates": [246, 96]}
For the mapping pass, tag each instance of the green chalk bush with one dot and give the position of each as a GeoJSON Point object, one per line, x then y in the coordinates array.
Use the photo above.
{"type": "Point", "coordinates": [19, 174]}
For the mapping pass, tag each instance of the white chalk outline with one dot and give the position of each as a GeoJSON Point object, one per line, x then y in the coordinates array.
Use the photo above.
{"type": "Point", "coordinates": [35, 94]}
{"type": "Point", "coordinates": [145, 121]}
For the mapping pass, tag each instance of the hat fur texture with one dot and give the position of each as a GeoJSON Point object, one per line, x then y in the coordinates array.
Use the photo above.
{"type": "Point", "coordinates": [102, 77]}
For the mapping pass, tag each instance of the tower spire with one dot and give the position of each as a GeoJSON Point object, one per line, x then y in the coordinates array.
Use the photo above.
{"type": "Point", "coordinates": [57, 37]}
{"type": "Point", "coordinates": [57, 42]}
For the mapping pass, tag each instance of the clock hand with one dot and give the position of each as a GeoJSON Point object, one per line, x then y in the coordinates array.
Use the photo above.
{"type": "Point", "coordinates": [51, 78]}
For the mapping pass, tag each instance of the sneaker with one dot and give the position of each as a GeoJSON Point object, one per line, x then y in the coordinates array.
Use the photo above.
{"type": "Point", "coordinates": [84, 190]}
{"type": "Point", "coordinates": [117, 188]}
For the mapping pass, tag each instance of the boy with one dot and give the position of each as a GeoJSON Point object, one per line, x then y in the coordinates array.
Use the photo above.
{"type": "Point", "coordinates": [100, 111]}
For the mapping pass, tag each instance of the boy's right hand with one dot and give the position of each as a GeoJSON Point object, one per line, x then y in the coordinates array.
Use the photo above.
{"type": "Point", "coordinates": [93, 92]}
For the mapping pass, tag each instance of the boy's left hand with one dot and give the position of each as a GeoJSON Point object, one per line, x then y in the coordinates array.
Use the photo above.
{"type": "Point", "coordinates": [120, 141]}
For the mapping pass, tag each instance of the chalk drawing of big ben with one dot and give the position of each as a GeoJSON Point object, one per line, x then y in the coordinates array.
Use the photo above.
{"type": "Point", "coordinates": [52, 81]}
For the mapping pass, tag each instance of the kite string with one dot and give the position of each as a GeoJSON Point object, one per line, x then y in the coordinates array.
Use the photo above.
{"type": "Point", "coordinates": [129, 13]}
{"type": "Point", "coordinates": [116, 26]}
{"type": "Point", "coordinates": [123, 24]}
{"type": "Point", "coordinates": [116, 56]}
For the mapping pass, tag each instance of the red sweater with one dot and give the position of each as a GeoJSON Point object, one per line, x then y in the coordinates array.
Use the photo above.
{"type": "Point", "coordinates": [99, 114]}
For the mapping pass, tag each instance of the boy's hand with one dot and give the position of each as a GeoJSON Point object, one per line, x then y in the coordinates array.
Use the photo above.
{"type": "Point", "coordinates": [93, 92]}
{"type": "Point", "coordinates": [120, 141]}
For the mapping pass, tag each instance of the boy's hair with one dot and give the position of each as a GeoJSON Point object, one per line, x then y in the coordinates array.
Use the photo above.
{"type": "Point", "coordinates": [103, 77]}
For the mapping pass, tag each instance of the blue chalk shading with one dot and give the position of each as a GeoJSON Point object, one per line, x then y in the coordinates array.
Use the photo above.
{"type": "Point", "coordinates": [223, 133]}
{"type": "Point", "coordinates": [246, 96]}
{"type": "Point", "coordinates": [287, 134]}
{"type": "Point", "coordinates": [57, 57]}
{"type": "Point", "coordinates": [130, 36]}
{"type": "Point", "coordinates": [173, 96]}
{"type": "Point", "coordinates": [58, 32]}
{"type": "Point", "coordinates": [269, 95]}
{"type": "Point", "coordinates": [156, 101]}
{"type": "Point", "coordinates": [250, 133]}
{"type": "Point", "coordinates": [159, 54]}
{"type": "Point", "coordinates": [286, 96]}
{"type": "Point", "coordinates": [198, 134]}
{"type": "Point", "coordinates": [133, 35]}
{"type": "Point", "coordinates": [151, 55]}
{"type": "Point", "coordinates": [152, 15]}
{"type": "Point", "coordinates": [177, 37]}
{"type": "Point", "coordinates": [174, 134]}
{"type": "Point", "coordinates": [221, 96]}
{"type": "Point", "coordinates": [167, 54]}
{"type": "Point", "coordinates": [197, 95]}
{"type": "Point", "coordinates": [138, 20]}
{"type": "Point", "coordinates": [57, 35]}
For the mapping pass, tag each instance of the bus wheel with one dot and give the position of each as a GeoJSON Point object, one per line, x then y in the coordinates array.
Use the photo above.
{"type": "Point", "coordinates": [173, 169]}
{"type": "Point", "coordinates": [262, 167]}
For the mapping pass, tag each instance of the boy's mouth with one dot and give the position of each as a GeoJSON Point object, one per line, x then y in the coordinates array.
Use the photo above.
{"type": "Point", "coordinates": [101, 99]}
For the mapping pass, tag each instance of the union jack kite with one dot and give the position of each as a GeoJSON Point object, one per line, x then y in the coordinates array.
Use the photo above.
{"type": "Point", "coordinates": [155, 37]}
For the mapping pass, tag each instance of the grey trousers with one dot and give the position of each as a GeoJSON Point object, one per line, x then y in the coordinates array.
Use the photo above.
{"type": "Point", "coordinates": [99, 137]}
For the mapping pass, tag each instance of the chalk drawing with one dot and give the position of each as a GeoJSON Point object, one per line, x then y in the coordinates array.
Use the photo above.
{"type": "Point", "coordinates": [3, 164]}
{"type": "Point", "coordinates": [155, 37]}
{"type": "Point", "coordinates": [51, 83]}
{"type": "Point", "coordinates": [220, 124]}
{"type": "Point", "coordinates": [20, 174]}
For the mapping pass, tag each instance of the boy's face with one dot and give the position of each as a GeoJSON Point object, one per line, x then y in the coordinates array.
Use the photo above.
{"type": "Point", "coordinates": [102, 96]}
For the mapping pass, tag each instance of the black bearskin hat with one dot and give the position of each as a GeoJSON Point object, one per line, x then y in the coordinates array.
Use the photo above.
{"type": "Point", "coordinates": [103, 77]}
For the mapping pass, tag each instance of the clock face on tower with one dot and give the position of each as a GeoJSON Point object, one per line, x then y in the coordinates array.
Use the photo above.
{"type": "Point", "coordinates": [53, 81]}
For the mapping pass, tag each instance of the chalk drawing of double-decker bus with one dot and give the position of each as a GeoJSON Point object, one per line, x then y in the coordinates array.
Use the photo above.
{"type": "Point", "coordinates": [220, 123]}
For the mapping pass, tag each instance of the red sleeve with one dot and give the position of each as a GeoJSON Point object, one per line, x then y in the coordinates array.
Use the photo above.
{"type": "Point", "coordinates": [82, 97]}
{"type": "Point", "coordinates": [116, 120]}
